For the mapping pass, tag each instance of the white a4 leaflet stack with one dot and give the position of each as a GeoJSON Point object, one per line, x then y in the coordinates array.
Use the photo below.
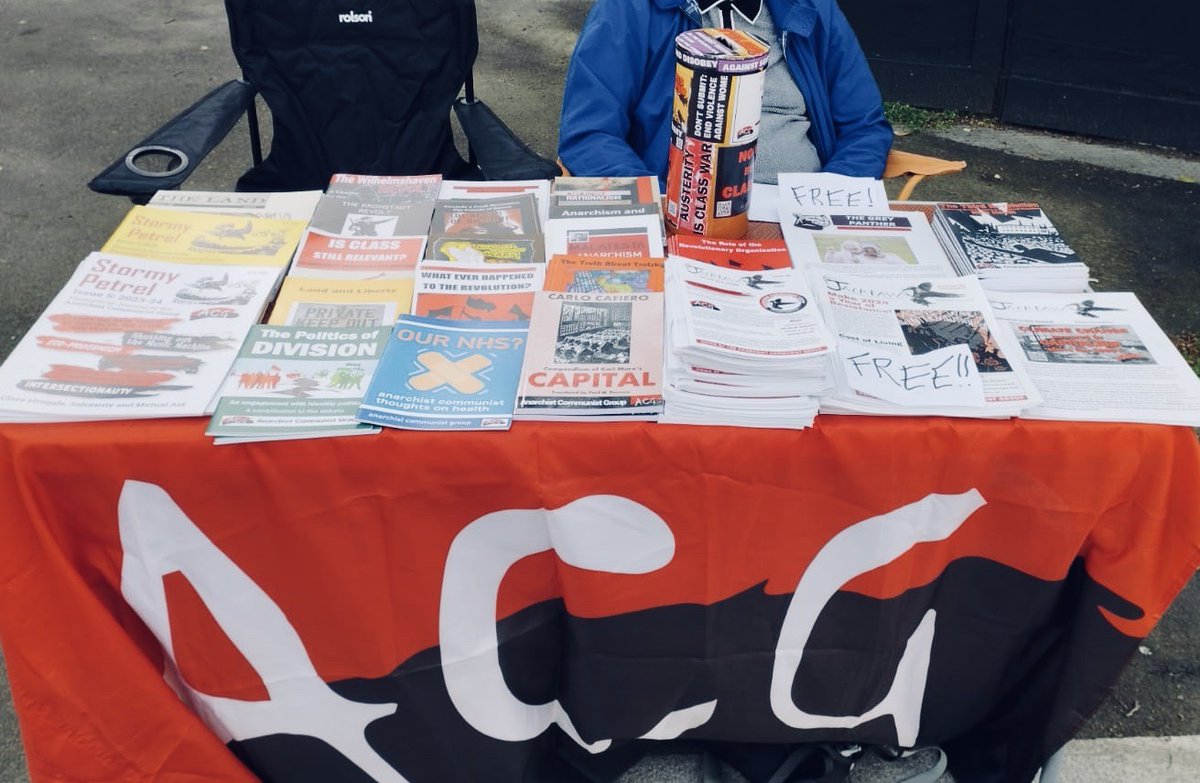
{"type": "Point", "coordinates": [1098, 357]}
{"type": "Point", "coordinates": [743, 348]}
{"type": "Point", "coordinates": [920, 346]}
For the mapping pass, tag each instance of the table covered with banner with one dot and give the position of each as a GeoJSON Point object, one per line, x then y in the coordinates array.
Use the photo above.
{"type": "Point", "coordinates": [530, 605]}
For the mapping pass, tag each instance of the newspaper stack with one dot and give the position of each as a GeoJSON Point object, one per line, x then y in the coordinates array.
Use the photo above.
{"type": "Point", "coordinates": [918, 346]}
{"type": "Point", "coordinates": [743, 348]}
{"type": "Point", "coordinates": [1010, 246]}
{"type": "Point", "coordinates": [1098, 357]}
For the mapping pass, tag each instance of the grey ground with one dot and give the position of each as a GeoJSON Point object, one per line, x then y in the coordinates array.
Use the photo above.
{"type": "Point", "coordinates": [84, 81]}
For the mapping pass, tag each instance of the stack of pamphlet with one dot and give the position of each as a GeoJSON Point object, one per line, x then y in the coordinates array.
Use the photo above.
{"type": "Point", "coordinates": [453, 364]}
{"type": "Point", "coordinates": [751, 255]}
{"type": "Point", "coordinates": [476, 292]}
{"type": "Point", "coordinates": [879, 243]}
{"type": "Point", "coordinates": [462, 188]}
{"type": "Point", "coordinates": [504, 230]}
{"type": "Point", "coordinates": [608, 217]}
{"type": "Point", "coordinates": [293, 382]}
{"type": "Point", "coordinates": [595, 342]}
{"type": "Point", "coordinates": [148, 326]}
{"type": "Point", "coordinates": [916, 346]}
{"type": "Point", "coordinates": [292, 205]}
{"type": "Point", "coordinates": [447, 375]}
{"type": "Point", "coordinates": [744, 348]}
{"type": "Point", "coordinates": [1098, 357]}
{"type": "Point", "coordinates": [368, 226]}
{"type": "Point", "coordinates": [1010, 246]}
{"type": "Point", "coordinates": [330, 302]}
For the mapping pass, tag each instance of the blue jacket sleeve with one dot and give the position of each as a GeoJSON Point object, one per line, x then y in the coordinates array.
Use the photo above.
{"type": "Point", "coordinates": [863, 135]}
{"type": "Point", "coordinates": [603, 86]}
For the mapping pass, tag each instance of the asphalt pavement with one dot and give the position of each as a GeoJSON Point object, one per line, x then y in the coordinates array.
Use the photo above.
{"type": "Point", "coordinates": [84, 81]}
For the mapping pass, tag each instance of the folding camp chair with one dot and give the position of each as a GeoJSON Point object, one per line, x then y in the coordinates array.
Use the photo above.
{"type": "Point", "coordinates": [365, 92]}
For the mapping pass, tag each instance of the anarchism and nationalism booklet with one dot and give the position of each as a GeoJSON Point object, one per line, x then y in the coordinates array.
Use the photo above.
{"type": "Point", "coordinates": [291, 382]}
{"type": "Point", "coordinates": [447, 375]}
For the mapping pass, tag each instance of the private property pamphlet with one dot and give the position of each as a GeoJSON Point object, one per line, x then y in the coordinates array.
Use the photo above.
{"type": "Point", "coordinates": [322, 302]}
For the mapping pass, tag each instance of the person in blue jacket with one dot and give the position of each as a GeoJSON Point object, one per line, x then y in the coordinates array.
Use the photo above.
{"type": "Point", "coordinates": [616, 113]}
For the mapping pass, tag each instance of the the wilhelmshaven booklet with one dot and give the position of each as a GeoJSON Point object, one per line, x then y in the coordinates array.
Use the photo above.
{"type": "Point", "coordinates": [317, 301]}
{"type": "Point", "coordinates": [918, 346]}
{"type": "Point", "coordinates": [476, 292]}
{"type": "Point", "coordinates": [291, 382]}
{"type": "Point", "coordinates": [447, 375]}
{"type": "Point", "coordinates": [197, 238]}
{"type": "Point", "coordinates": [130, 338]}
{"type": "Point", "coordinates": [592, 275]}
{"type": "Point", "coordinates": [1098, 357]}
{"type": "Point", "coordinates": [881, 243]}
{"type": "Point", "coordinates": [593, 357]}
{"type": "Point", "coordinates": [751, 255]}
{"type": "Point", "coordinates": [360, 205]}
{"type": "Point", "coordinates": [284, 205]}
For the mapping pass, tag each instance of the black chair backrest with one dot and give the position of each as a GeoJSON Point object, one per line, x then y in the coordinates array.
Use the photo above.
{"type": "Point", "coordinates": [354, 87]}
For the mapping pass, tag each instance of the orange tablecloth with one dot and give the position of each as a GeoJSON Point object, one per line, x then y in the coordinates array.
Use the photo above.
{"type": "Point", "coordinates": [397, 607]}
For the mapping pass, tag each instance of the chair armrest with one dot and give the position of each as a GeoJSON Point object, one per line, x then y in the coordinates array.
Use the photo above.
{"type": "Point", "coordinates": [495, 149]}
{"type": "Point", "coordinates": [917, 167]}
{"type": "Point", "coordinates": [187, 138]}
